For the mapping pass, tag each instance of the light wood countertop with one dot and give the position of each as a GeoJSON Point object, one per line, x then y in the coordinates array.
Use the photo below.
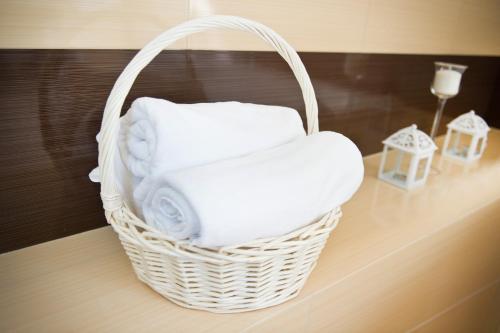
{"type": "Point", "coordinates": [398, 261]}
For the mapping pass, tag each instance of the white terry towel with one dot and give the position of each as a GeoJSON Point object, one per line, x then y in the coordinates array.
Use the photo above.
{"type": "Point", "coordinates": [126, 182]}
{"type": "Point", "coordinates": [158, 134]}
{"type": "Point", "coordinates": [268, 193]}
{"type": "Point", "coordinates": [161, 135]}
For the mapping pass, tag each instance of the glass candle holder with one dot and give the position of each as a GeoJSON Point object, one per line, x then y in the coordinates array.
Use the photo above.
{"type": "Point", "coordinates": [446, 84]}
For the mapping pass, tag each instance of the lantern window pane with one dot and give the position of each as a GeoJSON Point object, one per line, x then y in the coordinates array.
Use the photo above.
{"type": "Point", "coordinates": [397, 164]}
{"type": "Point", "coordinates": [421, 168]}
{"type": "Point", "coordinates": [460, 143]}
{"type": "Point", "coordinates": [478, 146]}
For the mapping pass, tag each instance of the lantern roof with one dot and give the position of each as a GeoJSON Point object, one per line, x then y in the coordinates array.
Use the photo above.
{"type": "Point", "coordinates": [411, 140]}
{"type": "Point", "coordinates": [469, 123]}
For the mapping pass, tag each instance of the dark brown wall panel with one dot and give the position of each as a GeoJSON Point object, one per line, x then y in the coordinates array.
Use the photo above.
{"type": "Point", "coordinates": [51, 103]}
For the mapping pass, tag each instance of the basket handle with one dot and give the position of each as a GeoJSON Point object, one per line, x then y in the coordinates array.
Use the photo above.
{"type": "Point", "coordinates": [110, 121]}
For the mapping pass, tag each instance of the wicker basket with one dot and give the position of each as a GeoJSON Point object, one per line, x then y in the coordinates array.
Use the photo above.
{"type": "Point", "coordinates": [238, 278]}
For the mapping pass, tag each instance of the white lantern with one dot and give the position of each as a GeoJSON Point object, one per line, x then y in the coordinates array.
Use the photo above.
{"type": "Point", "coordinates": [466, 137]}
{"type": "Point", "coordinates": [411, 151]}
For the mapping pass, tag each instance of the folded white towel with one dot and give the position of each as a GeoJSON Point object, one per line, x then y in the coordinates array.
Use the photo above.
{"type": "Point", "coordinates": [161, 135]}
{"type": "Point", "coordinates": [268, 193]}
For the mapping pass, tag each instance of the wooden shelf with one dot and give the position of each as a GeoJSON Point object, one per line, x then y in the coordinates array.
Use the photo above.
{"type": "Point", "coordinates": [398, 261]}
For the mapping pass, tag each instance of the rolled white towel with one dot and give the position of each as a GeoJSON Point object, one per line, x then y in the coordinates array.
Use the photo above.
{"type": "Point", "coordinates": [158, 134]}
{"type": "Point", "coordinates": [268, 193]}
{"type": "Point", "coordinates": [161, 135]}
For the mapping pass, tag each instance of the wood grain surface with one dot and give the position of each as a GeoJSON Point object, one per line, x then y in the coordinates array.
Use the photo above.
{"type": "Point", "coordinates": [51, 103]}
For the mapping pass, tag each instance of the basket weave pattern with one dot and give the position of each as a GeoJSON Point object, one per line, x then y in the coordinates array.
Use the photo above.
{"type": "Point", "coordinates": [238, 278]}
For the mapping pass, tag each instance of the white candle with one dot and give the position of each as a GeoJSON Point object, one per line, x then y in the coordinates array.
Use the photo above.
{"type": "Point", "coordinates": [447, 82]}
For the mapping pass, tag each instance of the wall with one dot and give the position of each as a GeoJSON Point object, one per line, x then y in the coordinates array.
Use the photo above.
{"type": "Point", "coordinates": [367, 26]}
{"type": "Point", "coordinates": [52, 102]}
{"type": "Point", "coordinates": [59, 60]}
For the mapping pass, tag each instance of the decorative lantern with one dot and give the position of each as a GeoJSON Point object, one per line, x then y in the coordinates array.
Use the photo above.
{"type": "Point", "coordinates": [411, 151]}
{"type": "Point", "coordinates": [466, 137]}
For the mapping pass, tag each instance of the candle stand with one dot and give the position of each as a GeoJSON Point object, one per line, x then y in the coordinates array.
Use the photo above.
{"type": "Point", "coordinates": [446, 84]}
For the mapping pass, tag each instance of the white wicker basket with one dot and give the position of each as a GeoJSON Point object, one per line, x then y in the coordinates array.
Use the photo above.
{"type": "Point", "coordinates": [238, 278]}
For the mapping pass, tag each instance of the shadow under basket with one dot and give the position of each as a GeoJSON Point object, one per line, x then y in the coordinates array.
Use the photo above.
{"type": "Point", "coordinates": [238, 278]}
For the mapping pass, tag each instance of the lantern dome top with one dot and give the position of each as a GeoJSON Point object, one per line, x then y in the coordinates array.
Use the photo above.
{"type": "Point", "coordinates": [469, 123]}
{"type": "Point", "coordinates": [411, 140]}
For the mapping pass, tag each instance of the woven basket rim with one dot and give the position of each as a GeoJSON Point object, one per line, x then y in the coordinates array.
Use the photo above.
{"type": "Point", "coordinates": [136, 231]}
